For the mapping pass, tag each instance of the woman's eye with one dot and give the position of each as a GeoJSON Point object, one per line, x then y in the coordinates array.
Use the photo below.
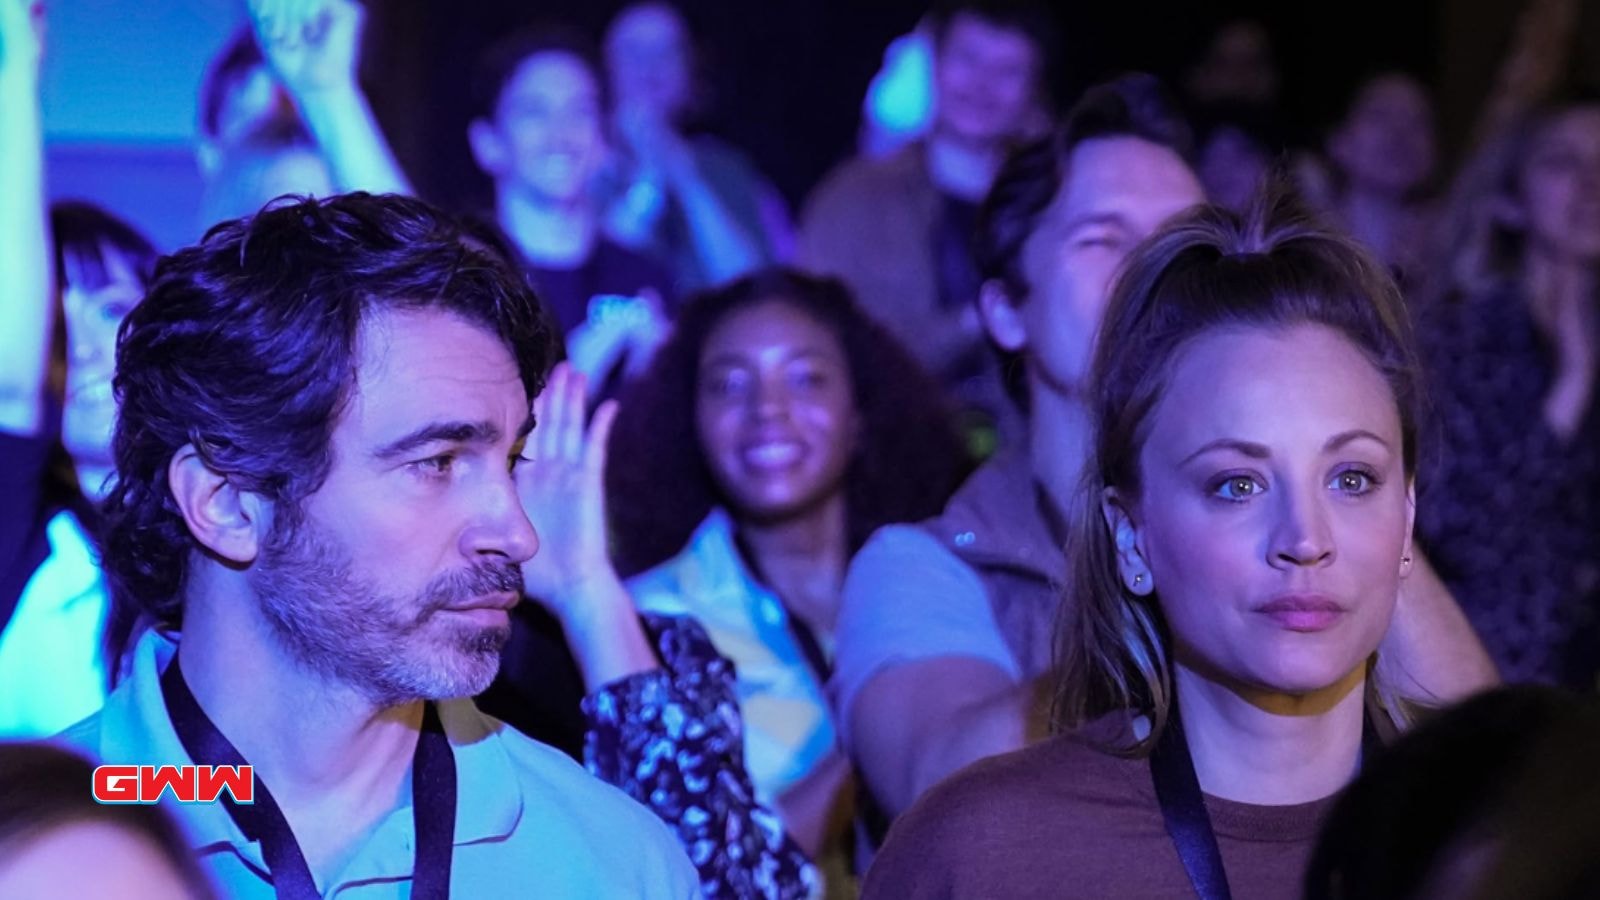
{"type": "Point", "coordinates": [728, 386]}
{"type": "Point", "coordinates": [1238, 488]}
{"type": "Point", "coordinates": [809, 378]}
{"type": "Point", "coordinates": [1354, 481]}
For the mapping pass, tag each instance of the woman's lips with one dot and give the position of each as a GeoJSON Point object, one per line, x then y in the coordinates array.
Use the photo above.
{"type": "Point", "coordinates": [769, 456]}
{"type": "Point", "coordinates": [1303, 612]}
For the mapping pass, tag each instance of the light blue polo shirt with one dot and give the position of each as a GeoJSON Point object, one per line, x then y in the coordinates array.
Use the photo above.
{"type": "Point", "coordinates": [529, 821]}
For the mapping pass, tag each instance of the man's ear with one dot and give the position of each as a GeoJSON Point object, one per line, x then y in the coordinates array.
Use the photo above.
{"type": "Point", "coordinates": [1001, 317]}
{"type": "Point", "coordinates": [230, 522]}
{"type": "Point", "coordinates": [488, 149]}
{"type": "Point", "coordinates": [1128, 542]}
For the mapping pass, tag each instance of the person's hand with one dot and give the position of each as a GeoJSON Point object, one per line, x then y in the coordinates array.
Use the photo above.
{"type": "Point", "coordinates": [595, 347]}
{"type": "Point", "coordinates": [312, 45]}
{"type": "Point", "coordinates": [647, 332]}
{"type": "Point", "coordinates": [656, 146]}
{"type": "Point", "coordinates": [562, 485]}
{"type": "Point", "coordinates": [21, 38]}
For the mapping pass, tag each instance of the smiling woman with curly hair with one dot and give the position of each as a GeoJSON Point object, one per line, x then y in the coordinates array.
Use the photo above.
{"type": "Point", "coordinates": [775, 430]}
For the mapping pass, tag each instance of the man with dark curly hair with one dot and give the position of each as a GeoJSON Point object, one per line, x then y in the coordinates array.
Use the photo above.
{"type": "Point", "coordinates": [321, 409]}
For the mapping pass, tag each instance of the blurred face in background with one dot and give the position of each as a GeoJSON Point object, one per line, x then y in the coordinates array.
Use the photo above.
{"type": "Point", "coordinates": [1118, 190]}
{"type": "Point", "coordinates": [545, 139]}
{"type": "Point", "coordinates": [97, 296]}
{"type": "Point", "coordinates": [1232, 165]}
{"type": "Point", "coordinates": [1386, 142]}
{"type": "Point", "coordinates": [1558, 197]}
{"type": "Point", "coordinates": [648, 59]}
{"type": "Point", "coordinates": [775, 411]}
{"type": "Point", "coordinates": [1238, 67]}
{"type": "Point", "coordinates": [985, 81]}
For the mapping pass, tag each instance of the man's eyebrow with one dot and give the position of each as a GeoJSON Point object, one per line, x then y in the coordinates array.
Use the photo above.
{"type": "Point", "coordinates": [440, 432]}
{"type": "Point", "coordinates": [1095, 218]}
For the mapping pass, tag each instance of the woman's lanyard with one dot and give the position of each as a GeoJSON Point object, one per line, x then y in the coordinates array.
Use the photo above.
{"type": "Point", "coordinates": [433, 788]}
{"type": "Point", "coordinates": [1183, 807]}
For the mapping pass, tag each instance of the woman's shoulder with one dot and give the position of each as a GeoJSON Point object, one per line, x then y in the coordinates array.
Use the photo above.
{"type": "Point", "coordinates": [1060, 778]}
{"type": "Point", "coordinates": [704, 575]}
{"type": "Point", "coordinates": [1021, 824]}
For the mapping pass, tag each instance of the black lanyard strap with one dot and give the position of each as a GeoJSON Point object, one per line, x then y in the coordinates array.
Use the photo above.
{"type": "Point", "coordinates": [1183, 807]}
{"type": "Point", "coordinates": [433, 804]}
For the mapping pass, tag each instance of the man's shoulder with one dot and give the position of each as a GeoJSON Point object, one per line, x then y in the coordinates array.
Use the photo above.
{"type": "Point", "coordinates": [864, 181]}
{"type": "Point", "coordinates": [903, 545]}
{"type": "Point", "coordinates": [908, 562]}
{"type": "Point", "coordinates": [618, 837]}
{"type": "Point", "coordinates": [83, 737]}
{"type": "Point", "coordinates": [556, 781]}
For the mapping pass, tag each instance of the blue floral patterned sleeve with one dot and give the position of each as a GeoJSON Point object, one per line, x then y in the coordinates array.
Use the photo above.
{"type": "Point", "coordinates": [673, 740]}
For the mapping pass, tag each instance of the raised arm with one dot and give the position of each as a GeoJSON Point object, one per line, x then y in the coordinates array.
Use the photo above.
{"type": "Point", "coordinates": [925, 684]}
{"type": "Point", "coordinates": [1538, 59]}
{"type": "Point", "coordinates": [27, 271]}
{"type": "Point", "coordinates": [314, 47]}
{"type": "Point", "coordinates": [918, 723]}
{"type": "Point", "coordinates": [663, 728]}
{"type": "Point", "coordinates": [721, 244]}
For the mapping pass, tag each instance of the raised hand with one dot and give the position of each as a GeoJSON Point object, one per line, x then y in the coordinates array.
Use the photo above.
{"type": "Point", "coordinates": [656, 146]}
{"type": "Point", "coordinates": [562, 486]}
{"type": "Point", "coordinates": [313, 45]}
{"type": "Point", "coordinates": [21, 37]}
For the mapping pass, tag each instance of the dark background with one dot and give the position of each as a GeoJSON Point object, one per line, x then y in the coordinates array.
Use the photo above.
{"type": "Point", "coordinates": [788, 76]}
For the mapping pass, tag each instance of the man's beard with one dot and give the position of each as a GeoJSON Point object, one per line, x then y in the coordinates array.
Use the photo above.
{"type": "Point", "coordinates": [391, 649]}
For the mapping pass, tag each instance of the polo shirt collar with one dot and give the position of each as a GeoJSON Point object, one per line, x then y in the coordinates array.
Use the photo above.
{"type": "Point", "coordinates": [135, 729]}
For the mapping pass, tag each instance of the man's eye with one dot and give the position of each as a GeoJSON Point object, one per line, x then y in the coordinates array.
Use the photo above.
{"type": "Point", "coordinates": [1101, 240]}
{"type": "Point", "coordinates": [436, 466]}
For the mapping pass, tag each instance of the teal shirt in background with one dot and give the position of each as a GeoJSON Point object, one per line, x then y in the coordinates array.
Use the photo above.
{"type": "Point", "coordinates": [52, 663]}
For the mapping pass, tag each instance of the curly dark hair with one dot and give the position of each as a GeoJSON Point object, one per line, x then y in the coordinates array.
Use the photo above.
{"type": "Point", "coordinates": [909, 460]}
{"type": "Point", "coordinates": [245, 347]}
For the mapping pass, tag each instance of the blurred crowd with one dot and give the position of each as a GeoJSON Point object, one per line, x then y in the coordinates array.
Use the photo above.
{"type": "Point", "coordinates": [865, 548]}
